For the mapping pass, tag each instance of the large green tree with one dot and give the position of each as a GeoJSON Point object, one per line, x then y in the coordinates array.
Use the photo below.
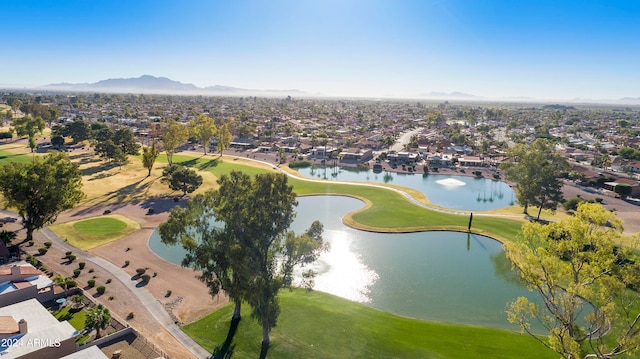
{"type": "Point", "coordinates": [203, 128]}
{"type": "Point", "coordinates": [41, 189]}
{"type": "Point", "coordinates": [77, 129]}
{"type": "Point", "coordinates": [30, 127]}
{"type": "Point", "coordinates": [537, 173]}
{"type": "Point", "coordinates": [269, 210]}
{"type": "Point", "coordinates": [587, 284]}
{"type": "Point", "coordinates": [116, 145]}
{"type": "Point", "coordinates": [173, 136]}
{"type": "Point", "coordinates": [181, 178]}
{"type": "Point", "coordinates": [224, 138]}
{"type": "Point", "coordinates": [250, 247]}
{"type": "Point", "coordinates": [211, 249]}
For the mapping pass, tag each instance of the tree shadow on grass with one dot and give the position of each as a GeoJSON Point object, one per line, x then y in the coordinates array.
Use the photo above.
{"type": "Point", "coordinates": [126, 195]}
{"type": "Point", "coordinates": [8, 157]}
{"type": "Point", "coordinates": [209, 164]}
{"type": "Point", "coordinates": [201, 162]}
{"type": "Point", "coordinates": [101, 176]}
{"type": "Point", "coordinates": [225, 351]}
{"type": "Point", "coordinates": [101, 167]}
{"type": "Point", "coordinates": [66, 316]}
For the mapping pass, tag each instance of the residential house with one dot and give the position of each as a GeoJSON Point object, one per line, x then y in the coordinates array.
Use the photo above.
{"type": "Point", "coordinates": [29, 331]}
{"type": "Point", "coordinates": [21, 281]}
{"type": "Point", "coordinates": [470, 161]}
{"type": "Point", "coordinates": [438, 160]}
{"type": "Point", "coordinates": [407, 158]}
{"type": "Point", "coordinates": [356, 155]}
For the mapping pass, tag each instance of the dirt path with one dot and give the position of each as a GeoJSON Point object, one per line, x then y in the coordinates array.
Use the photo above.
{"type": "Point", "coordinates": [189, 299]}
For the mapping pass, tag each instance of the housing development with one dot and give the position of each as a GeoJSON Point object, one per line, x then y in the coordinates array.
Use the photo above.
{"type": "Point", "coordinates": [92, 275]}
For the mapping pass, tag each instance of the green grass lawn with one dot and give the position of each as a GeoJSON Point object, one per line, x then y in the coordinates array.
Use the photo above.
{"type": "Point", "coordinates": [213, 164]}
{"type": "Point", "coordinates": [100, 226]}
{"type": "Point", "coordinates": [8, 157]}
{"type": "Point", "coordinates": [93, 232]}
{"type": "Point", "coordinates": [389, 211]}
{"type": "Point", "coordinates": [319, 325]}
{"type": "Point", "coordinates": [75, 319]}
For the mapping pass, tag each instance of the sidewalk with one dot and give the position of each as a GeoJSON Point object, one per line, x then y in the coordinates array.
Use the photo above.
{"type": "Point", "coordinates": [146, 299]}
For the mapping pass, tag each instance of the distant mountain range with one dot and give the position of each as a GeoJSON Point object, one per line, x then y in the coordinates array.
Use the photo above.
{"type": "Point", "coordinates": [148, 84]}
{"type": "Point", "coordinates": [162, 85]}
{"type": "Point", "coordinates": [450, 95]}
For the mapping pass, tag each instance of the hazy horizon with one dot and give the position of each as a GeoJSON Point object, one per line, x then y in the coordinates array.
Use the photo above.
{"type": "Point", "coordinates": [351, 48]}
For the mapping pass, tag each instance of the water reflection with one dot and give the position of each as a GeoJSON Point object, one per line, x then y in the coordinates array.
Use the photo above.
{"type": "Point", "coordinates": [441, 276]}
{"type": "Point", "coordinates": [455, 192]}
{"type": "Point", "coordinates": [341, 271]}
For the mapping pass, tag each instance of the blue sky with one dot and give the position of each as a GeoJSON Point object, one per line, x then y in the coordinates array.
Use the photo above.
{"type": "Point", "coordinates": [493, 48]}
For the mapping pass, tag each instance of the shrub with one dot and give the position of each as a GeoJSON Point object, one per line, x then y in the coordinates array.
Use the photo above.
{"type": "Point", "coordinates": [168, 294]}
{"type": "Point", "coordinates": [101, 289]}
{"type": "Point", "coordinates": [71, 257]}
{"type": "Point", "coordinates": [477, 173]}
{"type": "Point", "coordinates": [112, 297]}
{"type": "Point", "coordinates": [108, 281]}
{"type": "Point", "coordinates": [91, 270]}
{"type": "Point", "coordinates": [599, 200]}
{"type": "Point", "coordinates": [126, 263]}
{"type": "Point", "coordinates": [47, 244]}
{"type": "Point", "coordinates": [32, 260]}
{"type": "Point", "coordinates": [496, 175]}
{"type": "Point", "coordinates": [68, 253]}
{"type": "Point", "coordinates": [155, 274]}
{"type": "Point", "coordinates": [72, 284]}
{"type": "Point", "coordinates": [571, 204]}
{"type": "Point", "coordinates": [131, 315]}
{"type": "Point", "coordinates": [299, 164]}
{"type": "Point", "coordinates": [128, 249]}
{"type": "Point", "coordinates": [151, 211]}
{"type": "Point", "coordinates": [91, 283]}
{"type": "Point", "coordinates": [145, 278]}
{"type": "Point", "coordinates": [76, 272]}
{"type": "Point", "coordinates": [140, 271]}
{"type": "Point", "coordinates": [364, 166]}
{"type": "Point", "coordinates": [81, 265]}
{"type": "Point", "coordinates": [30, 243]}
{"type": "Point", "coordinates": [42, 251]}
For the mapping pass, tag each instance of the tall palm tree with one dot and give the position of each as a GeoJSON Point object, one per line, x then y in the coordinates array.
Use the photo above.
{"type": "Point", "coordinates": [97, 318]}
{"type": "Point", "coordinates": [65, 283]}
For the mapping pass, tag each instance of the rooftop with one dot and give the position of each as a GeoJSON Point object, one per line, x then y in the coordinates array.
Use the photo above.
{"type": "Point", "coordinates": [43, 329]}
{"type": "Point", "coordinates": [92, 352]}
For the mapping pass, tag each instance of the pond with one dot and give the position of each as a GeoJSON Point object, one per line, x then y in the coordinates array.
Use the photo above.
{"type": "Point", "coordinates": [455, 192]}
{"type": "Point", "coordinates": [440, 276]}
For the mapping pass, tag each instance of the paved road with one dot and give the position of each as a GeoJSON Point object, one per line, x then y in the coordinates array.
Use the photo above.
{"type": "Point", "coordinates": [404, 139]}
{"type": "Point", "coordinates": [146, 299]}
